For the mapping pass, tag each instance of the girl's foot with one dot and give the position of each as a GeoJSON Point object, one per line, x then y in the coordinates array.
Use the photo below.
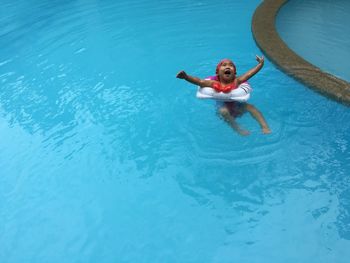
{"type": "Point", "coordinates": [243, 132]}
{"type": "Point", "coordinates": [266, 130]}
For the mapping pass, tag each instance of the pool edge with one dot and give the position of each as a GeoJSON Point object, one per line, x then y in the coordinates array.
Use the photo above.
{"type": "Point", "coordinates": [269, 41]}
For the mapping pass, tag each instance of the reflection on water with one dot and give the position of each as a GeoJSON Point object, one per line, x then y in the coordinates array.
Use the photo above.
{"type": "Point", "coordinates": [105, 155]}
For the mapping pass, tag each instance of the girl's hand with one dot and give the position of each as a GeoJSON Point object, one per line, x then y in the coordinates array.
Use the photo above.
{"type": "Point", "coordinates": [260, 59]}
{"type": "Point", "coordinates": [181, 75]}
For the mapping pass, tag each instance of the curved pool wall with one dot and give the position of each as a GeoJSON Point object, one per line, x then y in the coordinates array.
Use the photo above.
{"type": "Point", "coordinates": [318, 30]}
{"type": "Point", "coordinates": [270, 42]}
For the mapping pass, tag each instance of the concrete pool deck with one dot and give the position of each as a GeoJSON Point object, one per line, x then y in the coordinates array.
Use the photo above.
{"type": "Point", "coordinates": [269, 41]}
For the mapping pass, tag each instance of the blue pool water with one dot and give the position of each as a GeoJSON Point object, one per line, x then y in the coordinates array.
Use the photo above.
{"type": "Point", "coordinates": [106, 157]}
{"type": "Point", "coordinates": [318, 30]}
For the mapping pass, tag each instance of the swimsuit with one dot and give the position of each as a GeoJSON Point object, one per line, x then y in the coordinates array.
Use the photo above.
{"type": "Point", "coordinates": [236, 109]}
{"type": "Point", "coordinates": [225, 89]}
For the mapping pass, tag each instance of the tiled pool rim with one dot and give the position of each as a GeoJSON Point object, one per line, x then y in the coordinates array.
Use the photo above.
{"type": "Point", "coordinates": [268, 40]}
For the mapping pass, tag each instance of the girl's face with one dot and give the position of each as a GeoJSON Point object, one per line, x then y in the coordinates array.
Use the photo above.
{"type": "Point", "coordinates": [226, 71]}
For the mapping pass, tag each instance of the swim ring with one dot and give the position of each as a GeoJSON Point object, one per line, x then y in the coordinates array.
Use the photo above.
{"type": "Point", "coordinates": [240, 94]}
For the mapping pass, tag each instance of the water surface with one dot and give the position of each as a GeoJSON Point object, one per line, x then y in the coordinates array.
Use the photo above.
{"type": "Point", "coordinates": [106, 157]}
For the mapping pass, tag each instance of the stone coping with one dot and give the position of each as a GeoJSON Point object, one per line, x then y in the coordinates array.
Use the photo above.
{"type": "Point", "coordinates": [268, 40]}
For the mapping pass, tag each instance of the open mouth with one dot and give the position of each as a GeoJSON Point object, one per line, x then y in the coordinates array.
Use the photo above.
{"type": "Point", "coordinates": [227, 72]}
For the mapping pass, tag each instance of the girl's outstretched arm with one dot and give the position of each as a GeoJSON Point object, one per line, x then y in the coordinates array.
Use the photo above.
{"type": "Point", "coordinates": [253, 71]}
{"type": "Point", "coordinates": [194, 80]}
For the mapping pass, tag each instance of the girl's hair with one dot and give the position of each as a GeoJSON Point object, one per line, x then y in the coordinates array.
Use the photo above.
{"type": "Point", "coordinates": [222, 61]}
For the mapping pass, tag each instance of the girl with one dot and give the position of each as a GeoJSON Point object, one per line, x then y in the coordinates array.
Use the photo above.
{"type": "Point", "coordinates": [227, 81]}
